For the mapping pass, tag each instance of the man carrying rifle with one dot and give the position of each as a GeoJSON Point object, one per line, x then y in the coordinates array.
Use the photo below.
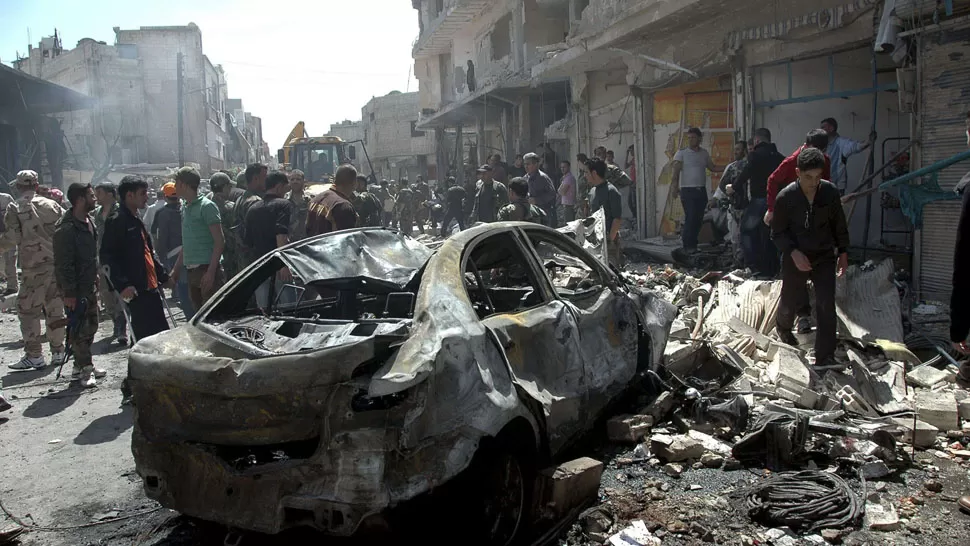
{"type": "Point", "coordinates": [76, 273]}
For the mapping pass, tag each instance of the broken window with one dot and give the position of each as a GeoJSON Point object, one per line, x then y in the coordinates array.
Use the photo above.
{"type": "Point", "coordinates": [502, 38]}
{"type": "Point", "coordinates": [498, 277]}
{"type": "Point", "coordinates": [573, 276]}
{"type": "Point", "coordinates": [414, 131]}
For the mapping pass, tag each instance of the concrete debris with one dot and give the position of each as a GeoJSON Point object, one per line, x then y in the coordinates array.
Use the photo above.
{"type": "Point", "coordinates": [927, 376]}
{"type": "Point", "coordinates": [875, 470]}
{"type": "Point", "coordinates": [963, 406]}
{"type": "Point", "coordinates": [934, 486]}
{"type": "Point", "coordinates": [711, 460]}
{"type": "Point", "coordinates": [660, 407]}
{"type": "Point", "coordinates": [673, 470]}
{"type": "Point", "coordinates": [938, 409]}
{"type": "Point", "coordinates": [676, 448]}
{"type": "Point", "coordinates": [629, 428]}
{"type": "Point", "coordinates": [881, 517]}
{"type": "Point", "coordinates": [569, 485]}
{"type": "Point", "coordinates": [925, 434]}
{"type": "Point", "coordinates": [636, 534]}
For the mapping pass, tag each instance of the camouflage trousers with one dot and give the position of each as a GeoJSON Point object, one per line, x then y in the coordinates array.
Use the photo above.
{"type": "Point", "coordinates": [39, 297]}
{"type": "Point", "coordinates": [86, 329]}
{"type": "Point", "coordinates": [10, 269]}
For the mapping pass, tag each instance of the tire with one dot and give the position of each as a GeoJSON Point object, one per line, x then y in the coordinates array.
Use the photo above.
{"type": "Point", "coordinates": [503, 482]}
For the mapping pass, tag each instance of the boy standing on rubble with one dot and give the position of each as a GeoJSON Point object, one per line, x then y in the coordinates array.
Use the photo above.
{"type": "Point", "coordinates": [810, 230]}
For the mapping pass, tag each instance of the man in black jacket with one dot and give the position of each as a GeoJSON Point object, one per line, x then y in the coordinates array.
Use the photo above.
{"type": "Point", "coordinates": [134, 268]}
{"type": "Point", "coordinates": [752, 184]}
{"type": "Point", "coordinates": [960, 296]}
{"type": "Point", "coordinates": [810, 230]}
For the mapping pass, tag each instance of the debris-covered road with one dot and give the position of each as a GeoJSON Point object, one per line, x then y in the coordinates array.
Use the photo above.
{"type": "Point", "coordinates": [670, 454]}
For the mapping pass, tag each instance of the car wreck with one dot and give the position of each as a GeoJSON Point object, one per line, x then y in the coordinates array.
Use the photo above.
{"type": "Point", "coordinates": [390, 370]}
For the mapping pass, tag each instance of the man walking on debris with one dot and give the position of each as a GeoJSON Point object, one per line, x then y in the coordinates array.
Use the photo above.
{"type": "Point", "coordinates": [10, 256]}
{"type": "Point", "coordinates": [605, 196]}
{"type": "Point", "coordinates": [785, 173]}
{"type": "Point", "coordinates": [267, 228]}
{"type": "Point", "coordinates": [454, 206]}
{"type": "Point", "coordinates": [107, 196]}
{"type": "Point", "coordinates": [202, 240]}
{"type": "Point", "coordinates": [840, 149]}
{"type": "Point", "coordinates": [810, 230]}
{"type": "Point", "coordinates": [692, 162]}
{"type": "Point", "coordinates": [960, 296]}
{"type": "Point", "coordinates": [759, 252]}
{"type": "Point", "coordinates": [367, 205]}
{"type": "Point", "coordinates": [30, 222]}
{"type": "Point", "coordinates": [301, 204]}
{"type": "Point", "coordinates": [519, 209]}
{"type": "Point", "coordinates": [76, 270]}
{"type": "Point", "coordinates": [332, 210]}
{"type": "Point", "coordinates": [542, 192]}
{"type": "Point", "coordinates": [490, 196]}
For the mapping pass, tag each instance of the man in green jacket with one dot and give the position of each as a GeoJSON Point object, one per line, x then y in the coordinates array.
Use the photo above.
{"type": "Point", "coordinates": [76, 274]}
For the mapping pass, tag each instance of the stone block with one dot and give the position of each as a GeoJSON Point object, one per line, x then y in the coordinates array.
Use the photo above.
{"type": "Point", "coordinates": [925, 433]}
{"type": "Point", "coordinates": [963, 406]}
{"type": "Point", "coordinates": [628, 428]}
{"type": "Point", "coordinates": [875, 469]}
{"type": "Point", "coordinates": [938, 409]}
{"type": "Point", "coordinates": [570, 485]}
{"type": "Point", "coordinates": [660, 407]}
{"type": "Point", "coordinates": [676, 448]}
{"type": "Point", "coordinates": [788, 371]}
{"type": "Point", "coordinates": [882, 517]}
{"type": "Point", "coordinates": [927, 376]}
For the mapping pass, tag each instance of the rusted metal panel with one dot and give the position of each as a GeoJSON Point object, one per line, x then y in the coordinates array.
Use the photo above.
{"type": "Point", "coordinates": [945, 64]}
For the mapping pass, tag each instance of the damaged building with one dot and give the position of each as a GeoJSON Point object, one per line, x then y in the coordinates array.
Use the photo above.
{"type": "Point", "coordinates": [634, 75]}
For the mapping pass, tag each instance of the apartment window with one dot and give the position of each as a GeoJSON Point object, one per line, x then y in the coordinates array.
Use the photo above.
{"type": "Point", "coordinates": [372, 116]}
{"type": "Point", "coordinates": [502, 38]}
{"type": "Point", "coordinates": [439, 6]}
{"type": "Point", "coordinates": [414, 132]}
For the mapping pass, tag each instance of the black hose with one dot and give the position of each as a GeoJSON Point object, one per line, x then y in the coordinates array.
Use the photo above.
{"type": "Point", "coordinates": [807, 500]}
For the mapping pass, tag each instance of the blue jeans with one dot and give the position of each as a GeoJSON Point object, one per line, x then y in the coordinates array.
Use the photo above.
{"type": "Point", "coordinates": [760, 253]}
{"type": "Point", "coordinates": [182, 288]}
{"type": "Point", "coordinates": [695, 203]}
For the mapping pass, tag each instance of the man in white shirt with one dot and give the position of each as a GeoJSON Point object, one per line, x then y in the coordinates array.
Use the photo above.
{"type": "Point", "coordinates": [690, 184]}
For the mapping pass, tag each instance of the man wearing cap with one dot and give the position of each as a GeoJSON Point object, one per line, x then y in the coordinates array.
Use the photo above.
{"type": "Point", "coordinates": [30, 222]}
{"type": "Point", "coordinates": [490, 196]}
{"type": "Point", "coordinates": [166, 230]}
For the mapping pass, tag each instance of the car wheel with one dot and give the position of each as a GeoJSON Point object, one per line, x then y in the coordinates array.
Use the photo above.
{"type": "Point", "coordinates": [505, 499]}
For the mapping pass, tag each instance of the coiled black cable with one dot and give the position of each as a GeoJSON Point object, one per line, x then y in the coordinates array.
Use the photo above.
{"type": "Point", "coordinates": [806, 500]}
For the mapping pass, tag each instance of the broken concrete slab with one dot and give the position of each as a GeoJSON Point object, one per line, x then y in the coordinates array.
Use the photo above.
{"type": "Point", "coordinates": [927, 376]}
{"type": "Point", "coordinates": [882, 517]}
{"type": "Point", "coordinates": [660, 407]}
{"type": "Point", "coordinates": [710, 443]}
{"type": "Point", "coordinates": [740, 327]}
{"type": "Point", "coordinates": [874, 470]}
{"type": "Point", "coordinates": [925, 433]}
{"type": "Point", "coordinates": [628, 428]}
{"type": "Point", "coordinates": [788, 370]}
{"type": "Point", "coordinates": [963, 407]}
{"type": "Point", "coordinates": [712, 460]}
{"type": "Point", "coordinates": [673, 470]}
{"type": "Point", "coordinates": [569, 485]}
{"type": "Point", "coordinates": [938, 409]}
{"type": "Point", "coordinates": [676, 448]}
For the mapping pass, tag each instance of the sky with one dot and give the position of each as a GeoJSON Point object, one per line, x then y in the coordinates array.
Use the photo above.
{"type": "Point", "coordinates": [317, 61]}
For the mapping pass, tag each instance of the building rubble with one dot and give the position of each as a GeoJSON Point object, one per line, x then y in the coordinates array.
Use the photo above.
{"type": "Point", "coordinates": [730, 395]}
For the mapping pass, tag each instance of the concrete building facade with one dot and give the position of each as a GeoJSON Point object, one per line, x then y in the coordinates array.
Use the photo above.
{"type": "Point", "coordinates": [135, 83]}
{"type": "Point", "coordinates": [396, 146]}
{"type": "Point", "coordinates": [641, 72]}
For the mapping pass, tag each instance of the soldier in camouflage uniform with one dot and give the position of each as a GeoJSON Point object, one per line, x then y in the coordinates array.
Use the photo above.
{"type": "Point", "coordinates": [404, 208]}
{"type": "Point", "coordinates": [519, 209]}
{"type": "Point", "coordinates": [367, 205]}
{"type": "Point", "coordinates": [76, 271]}
{"type": "Point", "coordinates": [107, 195]}
{"type": "Point", "coordinates": [30, 224]}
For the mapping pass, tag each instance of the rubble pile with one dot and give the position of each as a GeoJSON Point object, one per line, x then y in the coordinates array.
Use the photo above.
{"type": "Point", "coordinates": [730, 395]}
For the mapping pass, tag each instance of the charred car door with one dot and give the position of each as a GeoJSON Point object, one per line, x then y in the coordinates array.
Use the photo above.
{"type": "Point", "coordinates": [536, 332]}
{"type": "Point", "coordinates": [607, 318]}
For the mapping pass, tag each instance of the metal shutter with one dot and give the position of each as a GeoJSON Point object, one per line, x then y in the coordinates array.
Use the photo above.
{"type": "Point", "coordinates": [946, 98]}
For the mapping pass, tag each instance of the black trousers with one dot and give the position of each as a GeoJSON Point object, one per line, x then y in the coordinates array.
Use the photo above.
{"type": "Point", "coordinates": [794, 298]}
{"type": "Point", "coordinates": [147, 314]}
{"type": "Point", "coordinates": [451, 214]}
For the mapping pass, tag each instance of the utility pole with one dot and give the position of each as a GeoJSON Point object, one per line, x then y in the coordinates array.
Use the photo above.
{"type": "Point", "coordinates": [181, 99]}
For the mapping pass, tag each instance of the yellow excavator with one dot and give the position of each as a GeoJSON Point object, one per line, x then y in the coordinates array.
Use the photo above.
{"type": "Point", "coordinates": [317, 157]}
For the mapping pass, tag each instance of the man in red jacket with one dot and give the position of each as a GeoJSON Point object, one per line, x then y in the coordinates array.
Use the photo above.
{"type": "Point", "coordinates": [785, 173]}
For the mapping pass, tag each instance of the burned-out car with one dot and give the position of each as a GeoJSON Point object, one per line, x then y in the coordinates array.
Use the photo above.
{"type": "Point", "coordinates": [392, 369]}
